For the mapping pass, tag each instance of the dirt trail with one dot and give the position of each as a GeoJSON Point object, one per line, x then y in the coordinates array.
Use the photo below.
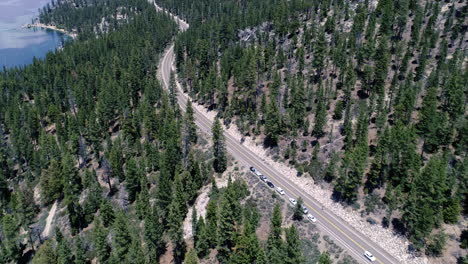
{"type": "Point", "coordinates": [49, 220]}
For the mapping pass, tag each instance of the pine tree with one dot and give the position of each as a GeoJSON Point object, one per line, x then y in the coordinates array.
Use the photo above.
{"type": "Point", "coordinates": [202, 244]}
{"type": "Point", "coordinates": [116, 161]}
{"type": "Point", "coordinates": [298, 211]}
{"type": "Point", "coordinates": [75, 216]}
{"type": "Point", "coordinates": [298, 101]}
{"type": "Point", "coordinates": [177, 207]}
{"type": "Point", "coordinates": [261, 257]}
{"type": "Point", "coordinates": [190, 123]}
{"type": "Point", "coordinates": [102, 248]}
{"type": "Point", "coordinates": [338, 112]}
{"type": "Point", "coordinates": [212, 223]}
{"type": "Point", "coordinates": [293, 247]}
{"type": "Point", "coordinates": [71, 178]}
{"type": "Point", "coordinates": [64, 253]}
{"type": "Point", "coordinates": [164, 190]}
{"type": "Point", "coordinates": [240, 254]}
{"type": "Point", "coordinates": [382, 60]}
{"type": "Point", "coordinates": [348, 126]}
{"type": "Point", "coordinates": [4, 192]}
{"type": "Point", "coordinates": [219, 147]}
{"type": "Point", "coordinates": [51, 183]}
{"type": "Point", "coordinates": [122, 237]}
{"type": "Point", "coordinates": [428, 112]}
{"type": "Point", "coordinates": [135, 252]}
{"type": "Point", "coordinates": [454, 97]}
{"type": "Point", "coordinates": [320, 52]}
{"type": "Point", "coordinates": [80, 253]}
{"type": "Point", "coordinates": [10, 228]}
{"type": "Point", "coordinates": [272, 123]}
{"type": "Point", "coordinates": [179, 246]}
{"type": "Point", "coordinates": [153, 236]}
{"type": "Point", "coordinates": [275, 242]}
{"type": "Point", "coordinates": [320, 115]}
{"type": "Point", "coordinates": [191, 257]}
{"type": "Point", "coordinates": [226, 229]}
{"type": "Point", "coordinates": [132, 179]}
{"type": "Point", "coordinates": [46, 254]}
{"type": "Point", "coordinates": [142, 203]}
{"type": "Point", "coordinates": [107, 213]}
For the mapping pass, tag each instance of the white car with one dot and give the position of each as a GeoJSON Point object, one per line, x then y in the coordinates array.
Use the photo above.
{"type": "Point", "coordinates": [279, 190]}
{"type": "Point", "coordinates": [256, 172]}
{"type": "Point", "coordinates": [369, 256]}
{"type": "Point", "coordinates": [311, 218]}
{"type": "Point", "coordinates": [293, 201]}
{"type": "Point", "coordinates": [304, 210]}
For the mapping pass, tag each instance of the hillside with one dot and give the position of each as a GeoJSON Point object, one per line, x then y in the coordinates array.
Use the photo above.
{"type": "Point", "coordinates": [98, 164]}
{"type": "Point", "coordinates": [366, 97]}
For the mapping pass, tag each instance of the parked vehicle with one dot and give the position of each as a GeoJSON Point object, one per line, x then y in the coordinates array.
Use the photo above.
{"type": "Point", "coordinates": [311, 218]}
{"type": "Point", "coordinates": [305, 210]}
{"type": "Point", "coordinates": [263, 178]}
{"type": "Point", "coordinates": [293, 201]}
{"type": "Point", "coordinates": [279, 190]}
{"type": "Point", "coordinates": [369, 256]}
{"type": "Point", "coordinates": [256, 172]}
{"type": "Point", "coordinates": [270, 184]}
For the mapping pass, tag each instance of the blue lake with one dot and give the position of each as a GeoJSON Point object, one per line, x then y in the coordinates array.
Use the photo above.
{"type": "Point", "coordinates": [18, 46]}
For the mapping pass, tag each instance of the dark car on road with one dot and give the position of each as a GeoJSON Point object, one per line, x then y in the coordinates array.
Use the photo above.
{"type": "Point", "coordinates": [270, 184]}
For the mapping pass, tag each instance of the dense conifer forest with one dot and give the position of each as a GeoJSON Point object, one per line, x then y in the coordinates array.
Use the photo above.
{"type": "Point", "coordinates": [368, 98]}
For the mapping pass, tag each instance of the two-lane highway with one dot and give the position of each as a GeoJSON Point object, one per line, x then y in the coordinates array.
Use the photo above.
{"type": "Point", "coordinates": [347, 237]}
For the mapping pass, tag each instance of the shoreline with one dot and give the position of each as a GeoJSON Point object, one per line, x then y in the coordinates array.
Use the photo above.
{"type": "Point", "coordinates": [51, 27]}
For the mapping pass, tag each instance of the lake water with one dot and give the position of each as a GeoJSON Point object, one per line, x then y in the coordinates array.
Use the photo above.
{"type": "Point", "coordinates": [18, 46]}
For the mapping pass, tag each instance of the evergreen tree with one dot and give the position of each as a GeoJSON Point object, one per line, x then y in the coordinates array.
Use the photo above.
{"type": "Point", "coordinates": [135, 252]}
{"type": "Point", "coordinates": [190, 123]}
{"type": "Point", "coordinates": [275, 244]}
{"type": "Point", "coordinates": [46, 254]}
{"type": "Point", "coordinates": [107, 213]}
{"type": "Point", "coordinates": [163, 189]}
{"type": "Point", "coordinates": [226, 229]}
{"type": "Point", "coordinates": [10, 228]}
{"type": "Point", "coordinates": [293, 247]}
{"type": "Point", "coordinates": [153, 236]}
{"type": "Point", "coordinates": [320, 115]}
{"type": "Point", "coordinates": [80, 253]}
{"type": "Point", "coordinates": [179, 246]}
{"type": "Point", "coordinates": [102, 248]}
{"type": "Point", "coordinates": [132, 179]}
{"type": "Point", "coordinates": [177, 207]}
{"type": "Point", "coordinates": [212, 223]}
{"type": "Point", "coordinates": [320, 52]}
{"type": "Point", "coordinates": [298, 211]}
{"type": "Point", "coordinates": [201, 242]}
{"type": "Point", "coordinates": [64, 254]}
{"type": "Point", "coordinates": [51, 183]}
{"type": "Point", "coordinates": [71, 179]}
{"type": "Point", "coordinates": [75, 215]}
{"type": "Point", "coordinates": [142, 203]}
{"type": "Point", "coordinates": [219, 147]}
{"type": "Point", "coordinates": [122, 238]}
{"type": "Point", "coordinates": [272, 123]}
{"type": "Point", "coordinates": [191, 257]}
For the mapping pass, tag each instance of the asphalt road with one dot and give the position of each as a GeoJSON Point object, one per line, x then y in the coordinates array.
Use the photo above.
{"type": "Point", "coordinates": [353, 241]}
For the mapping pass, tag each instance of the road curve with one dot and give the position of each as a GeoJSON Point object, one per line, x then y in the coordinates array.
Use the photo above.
{"type": "Point", "coordinates": [346, 236]}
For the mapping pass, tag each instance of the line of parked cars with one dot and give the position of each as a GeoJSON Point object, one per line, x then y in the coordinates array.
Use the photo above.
{"type": "Point", "coordinates": [293, 201]}
{"type": "Point", "coordinates": [281, 192]}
